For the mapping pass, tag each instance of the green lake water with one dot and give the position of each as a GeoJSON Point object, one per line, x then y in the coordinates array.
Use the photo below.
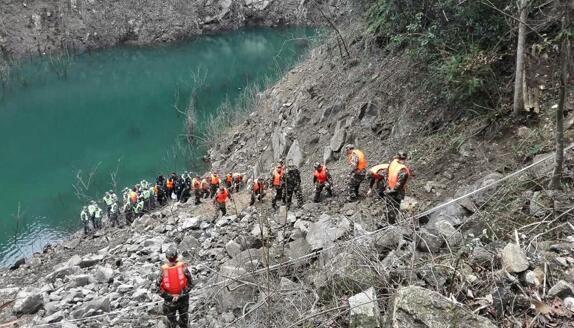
{"type": "Point", "coordinates": [112, 112]}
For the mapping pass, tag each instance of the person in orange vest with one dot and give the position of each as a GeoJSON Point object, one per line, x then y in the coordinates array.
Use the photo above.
{"type": "Point", "coordinates": [322, 180]}
{"type": "Point", "coordinates": [397, 177]}
{"type": "Point", "coordinates": [214, 182]}
{"type": "Point", "coordinates": [257, 190]}
{"type": "Point", "coordinates": [220, 200]}
{"type": "Point", "coordinates": [170, 185]}
{"type": "Point", "coordinates": [377, 179]}
{"type": "Point", "coordinates": [197, 189]}
{"type": "Point", "coordinates": [237, 181]}
{"type": "Point", "coordinates": [174, 284]}
{"type": "Point", "coordinates": [358, 163]}
{"type": "Point", "coordinates": [133, 196]}
{"type": "Point", "coordinates": [205, 187]}
{"type": "Point", "coordinates": [277, 184]}
{"type": "Point", "coordinates": [228, 180]}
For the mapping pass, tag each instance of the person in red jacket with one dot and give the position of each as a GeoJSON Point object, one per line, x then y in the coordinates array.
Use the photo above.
{"type": "Point", "coordinates": [220, 199]}
{"type": "Point", "coordinates": [174, 284]}
{"type": "Point", "coordinates": [322, 180]}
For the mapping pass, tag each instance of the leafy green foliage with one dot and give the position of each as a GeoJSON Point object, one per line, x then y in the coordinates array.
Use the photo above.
{"type": "Point", "coordinates": [459, 40]}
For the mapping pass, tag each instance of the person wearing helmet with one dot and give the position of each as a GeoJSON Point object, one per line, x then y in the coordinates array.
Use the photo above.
{"type": "Point", "coordinates": [113, 214]}
{"type": "Point", "coordinates": [237, 181]}
{"type": "Point", "coordinates": [98, 218]}
{"type": "Point", "coordinates": [358, 164]}
{"type": "Point", "coordinates": [197, 189]}
{"type": "Point", "coordinates": [173, 284]}
{"type": "Point", "coordinates": [85, 217]}
{"type": "Point", "coordinates": [277, 184]}
{"type": "Point", "coordinates": [397, 177]}
{"type": "Point", "coordinates": [292, 182]}
{"type": "Point", "coordinates": [257, 190]}
{"type": "Point", "coordinates": [108, 200]}
{"type": "Point", "coordinates": [322, 180]}
{"type": "Point", "coordinates": [92, 208]}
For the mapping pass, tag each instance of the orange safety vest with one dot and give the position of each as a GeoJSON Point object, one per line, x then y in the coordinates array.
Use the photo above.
{"type": "Point", "coordinates": [173, 279]}
{"type": "Point", "coordinates": [214, 179]}
{"type": "Point", "coordinates": [362, 163]}
{"type": "Point", "coordinates": [394, 169]}
{"type": "Point", "coordinates": [321, 176]}
{"type": "Point", "coordinates": [257, 185]}
{"type": "Point", "coordinates": [204, 184]}
{"type": "Point", "coordinates": [375, 170]}
{"type": "Point", "coordinates": [169, 184]}
{"type": "Point", "coordinates": [277, 175]}
{"type": "Point", "coordinates": [229, 179]}
{"type": "Point", "coordinates": [133, 197]}
{"type": "Point", "coordinates": [196, 184]}
{"type": "Point", "coordinates": [221, 197]}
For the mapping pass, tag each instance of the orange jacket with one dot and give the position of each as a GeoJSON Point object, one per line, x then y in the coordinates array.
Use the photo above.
{"type": "Point", "coordinates": [257, 186]}
{"type": "Point", "coordinates": [196, 184]}
{"type": "Point", "coordinates": [204, 184]}
{"type": "Point", "coordinates": [214, 180]}
{"type": "Point", "coordinates": [133, 197]}
{"type": "Point", "coordinates": [394, 170]}
{"type": "Point", "coordinates": [376, 169]}
{"type": "Point", "coordinates": [229, 179]}
{"type": "Point", "coordinates": [169, 183]}
{"type": "Point", "coordinates": [277, 175]}
{"type": "Point", "coordinates": [173, 280]}
{"type": "Point", "coordinates": [221, 196]}
{"type": "Point", "coordinates": [321, 176]}
{"type": "Point", "coordinates": [361, 159]}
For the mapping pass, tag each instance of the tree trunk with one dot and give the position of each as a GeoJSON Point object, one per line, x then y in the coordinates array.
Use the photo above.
{"type": "Point", "coordinates": [518, 105]}
{"type": "Point", "coordinates": [564, 62]}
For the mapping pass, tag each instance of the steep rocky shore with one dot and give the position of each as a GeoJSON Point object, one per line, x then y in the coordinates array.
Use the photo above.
{"type": "Point", "coordinates": [501, 257]}
{"type": "Point", "coordinates": [50, 27]}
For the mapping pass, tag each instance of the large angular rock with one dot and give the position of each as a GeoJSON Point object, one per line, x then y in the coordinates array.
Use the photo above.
{"type": "Point", "coordinates": [338, 138]}
{"type": "Point", "coordinates": [191, 223]}
{"type": "Point", "coordinates": [232, 248]}
{"type": "Point", "coordinates": [417, 307]}
{"type": "Point", "coordinates": [28, 301]}
{"type": "Point", "coordinates": [325, 231]}
{"type": "Point", "coordinates": [103, 274]}
{"type": "Point", "coordinates": [513, 259]}
{"type": "Point", "coordinates": [332, 110]}
{"type": "Point", "coordinates": [93, 307]}
{"type": "Point", "coordinates": [295, 153]}
{"type": "Point", "coordinates": [233, 294]}
{"type": "Point", "coordinates": [90, 260]}
{"type": "Point", "coordinates": [429, 241]}
{"type": "Point", "coordinates": [561, 289]}
{"type": "Point", "coordinates": [448, 233]}
{"type": "Point", "coordinates": [189, 245]}
{"type": "Point", "coordinates": [62, 273]}
{"type": "Point", "coordinates": [279, 143]}
{"type": "Point", "coordinates": [364, 310]}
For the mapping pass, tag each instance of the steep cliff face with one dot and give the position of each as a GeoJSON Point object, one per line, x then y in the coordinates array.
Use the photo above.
{"type": "Point", "coordinates": [40, 27]}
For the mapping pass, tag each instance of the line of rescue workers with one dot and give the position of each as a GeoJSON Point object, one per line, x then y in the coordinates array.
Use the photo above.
{"type": "Point", "coordinates": [387, 180]}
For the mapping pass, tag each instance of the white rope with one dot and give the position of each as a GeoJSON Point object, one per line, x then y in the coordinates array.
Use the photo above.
{"type": "Point", "coordinates": [315, 253]}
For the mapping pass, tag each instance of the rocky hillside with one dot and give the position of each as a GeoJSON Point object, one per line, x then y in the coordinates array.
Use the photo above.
{"type": "Point", "coordinates": [45, 27]}
{"type": "Point", "coordinates": [501, 257]}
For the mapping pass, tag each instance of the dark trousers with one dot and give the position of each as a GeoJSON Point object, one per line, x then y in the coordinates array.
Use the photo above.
{"type": "Point", "coordinates": [256, 195]}
{"type": "Point", "coordinates": [214, 190]}
{"type": "Point", "coordinates": [86, 227]}
{"type": "Point", "coordinates": [394, 206]}
{"type": "Point", "coordinates": [278, 196]}
{"type": "Point", "coordinates": [221, 207]}
{"type": "Point", "coordinates": [172, 309]}
{"type": "Point", "coordinates": [113, 219]}
{"type": "Point", "coordinates": [298, 194]}
{"type": "Point", "coordinates": [198, 194]}
{"type": "Point", "coordinates": [355, 181]}
{"type": "Point", "coordinates": [319, 188]}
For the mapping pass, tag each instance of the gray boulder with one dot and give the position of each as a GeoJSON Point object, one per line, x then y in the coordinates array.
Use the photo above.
{"type": "Point", "coordinates": [328, 155]}
{"type": "Point", "coordinates": [513, 259]}
{"type": "Point", "coordinates": [234, 294]}
{"type": "Point", "coordinates": [28, 301]}
{"type": "Point", "coordinates": [93, 307]}
{"type": "Point", "coordinates": [332, 110]}
{"type": "Point", "coordinates": [90, 260]}
{"type": "Point", "coordinates": [451, 236]}
{"type": "Point", "coordinates": [417, 307]}
{"type": "Point", "coordinates": [364, 310]}
{"type": "Point", "coordinates": [338, 138]}
{"type": "Point", "coordinates": [561, 289]}
{"type": "Point", "coordinates": [295, 153]}
{"type": "Point", "coordinates": [429, 241]}
{"type": "Point", "coordinates": [62, 273]}
{"type": "Point", "coordinates": [232, 248]}
{"type": "Point", "coordinates": [325, 231]}
{"type": "Point", "coordinates": [103, 274]}
{"type": "Point", "coordinates": [191, 223]}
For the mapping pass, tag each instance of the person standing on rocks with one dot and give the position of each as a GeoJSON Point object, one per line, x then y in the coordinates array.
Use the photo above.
{"type": "Point", "coordinates": [113, 214]}
{"type": "Point", "coordinates": [98, 218]}
{"type": "Point", "coordinates": [205, 187]}
{"type": "Point", "coordinates": [92, 208]}
{"type": "Point", "coordinates": [170, 185]}
{"type": "Point", "coordinates": [108, 200]}
{"type": "Point", "coordinates": [220, 200]}
{"type": "Point", "coordinates": [377, 179]}
{"type": "Point", "coordinates": [229, 180]}
{"type": "Point", "coordinates": [197, 189]}
{"type": "Point", "coordinates": [397, 177]}
{"type": "Point", "coordinates": [277, 183]}
{"type": "Point", "coordinates": [85, 217]}
{"type": "Point", "coordinates": [214, 181]}
{"type": "Point", "coordinates": [292, 182]}
{"type": "Point", "coordinates": [322, 180]}
{"type": "Point", "coordinates": [257, 191]}
{"type": "Point", "coordinates": [174, 284]}
{"type": "Point", "coordinates": [237, 181]}
{"type": "Point", "coordinates": [358, 162]}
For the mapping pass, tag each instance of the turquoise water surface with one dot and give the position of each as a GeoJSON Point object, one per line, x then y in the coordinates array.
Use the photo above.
{"type": "Point", "coordinates": [110, 116]}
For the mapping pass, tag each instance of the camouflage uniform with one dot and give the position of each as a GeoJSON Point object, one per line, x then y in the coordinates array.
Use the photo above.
{"type": "Point", "coordinates": [292, 182]}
